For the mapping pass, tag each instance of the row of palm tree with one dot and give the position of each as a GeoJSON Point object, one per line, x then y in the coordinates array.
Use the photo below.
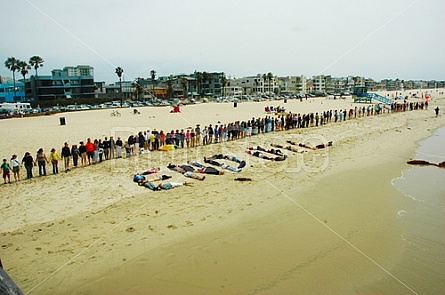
{"type": "Point", "coordinates": [267, 77]}
{"type": "Point", "coordinates": [15, 65]}
{"type": "Point", "coordinates": [201, 78]}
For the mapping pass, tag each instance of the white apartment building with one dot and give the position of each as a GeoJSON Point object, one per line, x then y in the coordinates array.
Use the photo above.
{"type": "Point", "coordinates": [255, 85]}
{"type": "Point", "coordinates": [292, 84]}
{"type": "Point", "coordinates": [70, 71]}
{"type": "Point", "coordinates": [250, 85]}
{"type": "Point", "coordinates": [233, 91]}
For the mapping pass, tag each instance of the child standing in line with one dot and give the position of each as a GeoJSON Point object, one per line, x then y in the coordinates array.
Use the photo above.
{"type": "Point", "coordinates": [6, 171]}
{"type": "Point", "coordinates": [15, 164]}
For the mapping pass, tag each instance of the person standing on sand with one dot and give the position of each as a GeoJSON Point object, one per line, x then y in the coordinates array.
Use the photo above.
{"type": "Point", "coordinates": [29, 163]}
{"type": "Point", "coordinates": [6, 171]}
{"type": "Point", "coordinates": [90, 150]}
{"type": "Point", "coordinates": [107, 146]}
{"type": "Point", "coordinates": [437, 110]}
{"type": "Point", "coordinates": [198, 135]}
{"type": "Point", "coordinates": [182, 137]}
{"type": "Point", "coordinates": [96, 151]}
{"type": "Point", "coordinates": [146, 138]}
{"type": "Point", "coordinates": [15, 164]}
{"type": "Point", "coordinates": [75, 153]}
{"type": "Point", "coordinates": [100, 144]}
{"type": "Point", "coordinates": [187, 138]}
{"type": "Point", "coordinates": [119, 145]}
{"type": "Point", "coordinates": [83, 153]}
{"type": "Point", "coordinates": [66, 155]}
{"type": "Point", "coordinates": [41, 161]}
{"type": "Point", "coordinates": [112, 148]}
{"type": "Point", "coordinates": [54, 158]}
{"type": "Point", "coordinates": [210, 133]}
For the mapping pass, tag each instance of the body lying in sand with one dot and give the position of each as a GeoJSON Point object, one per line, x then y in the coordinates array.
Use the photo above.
{"type": "Point", "coordinates": [261, 155]}
{"type": "Point", "coordinates": [319, 146]}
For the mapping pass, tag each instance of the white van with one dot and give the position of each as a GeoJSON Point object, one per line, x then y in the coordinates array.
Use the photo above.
{"type": "Point", "coordinates": [16, 107]}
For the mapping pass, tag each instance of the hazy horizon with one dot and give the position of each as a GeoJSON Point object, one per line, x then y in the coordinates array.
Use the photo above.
{"type": "Point", "coordinates": [372, 39]}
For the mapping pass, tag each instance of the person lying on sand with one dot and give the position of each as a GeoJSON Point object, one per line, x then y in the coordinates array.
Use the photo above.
{"type": "Point", "coordinates": [233, 158]}
{"type": "Point", "coordinates": [263, 156]}
{"type": "Point", "coordinates": [163, 186]}
{"type": "Point", "coordinates": [319, 146]}
{"type": "Point", "coordinates": [271, 151]}
{"type": "Point", "coordinates": [150, 171]}
{"type": "Point", "coordinates": [156, 178]}
{"type": "Point", "coordinates": [206, 170]}
{"type": "Point", "coordinates": [186, 170]}
{"type": "Point", "coordinates": [222, 165]}
{"type": "Point", "coordinates": [289, 148]}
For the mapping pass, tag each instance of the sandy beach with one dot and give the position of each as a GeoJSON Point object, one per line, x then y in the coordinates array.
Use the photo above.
{"type": "Point", "coordinates": [323, 221]}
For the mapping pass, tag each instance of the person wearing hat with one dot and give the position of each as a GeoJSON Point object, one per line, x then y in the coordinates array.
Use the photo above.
{"type": "Point", "coordinates": [197, 135]}
{"type": "Point", "coordinates": [54, 159]}
{"type": "Point", "coordinates": [66, 155]}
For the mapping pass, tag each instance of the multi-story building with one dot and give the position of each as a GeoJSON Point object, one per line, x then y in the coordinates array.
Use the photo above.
{"type": "Point", "coordinates": [7, 90]}
{"type": "Point", "coordinates": [67, 83]}
{"type": "Point", "coordinates": [319, 83]}
{"type": "Point", "coordinates": [292, 84]}
{"type": "Point", "coordinates": [252, 85]}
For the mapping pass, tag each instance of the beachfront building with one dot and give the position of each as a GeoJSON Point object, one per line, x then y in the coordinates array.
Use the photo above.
{"type": "Point", "coordinates": [7, 90]}
{"type": "Point", "coordinates": [292, 84]}
{"type": "Point", "coordinates": [114, 90]}
{"type": "Point", "coordinates": [253, 85]}
{"type": "Point", "coordinates": [71, 82]}
{"type": "Point", "coordinates": [208, 84]}
{"type": "Point", "coordinates": [319, 84]}
{"type": "Point", "coordinates": [193, 85]}
{"type": "Point", "coordinates": [100, 89]}
{"type": "Point", "coordinates": [234, 91]}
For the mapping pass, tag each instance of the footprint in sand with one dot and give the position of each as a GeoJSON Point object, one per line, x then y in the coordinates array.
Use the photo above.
{"type": "Point", "coordinates": [151, 228]}
{"type": "Point", "coordinates": [6, 245]}
{"type": "Point", "coordinates": [130, 229]}
{"type": "Point", "coordinates": [171, 226]}
{"type": "Point", "coordinates": [189, 223]}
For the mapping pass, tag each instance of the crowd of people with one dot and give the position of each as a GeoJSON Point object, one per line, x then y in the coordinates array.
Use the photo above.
{"type": "Point", "coordinates": [98, 150]}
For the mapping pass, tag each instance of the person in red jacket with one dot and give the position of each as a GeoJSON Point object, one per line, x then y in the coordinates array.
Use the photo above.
{"type": "Point", "coordinates": [90, 150]}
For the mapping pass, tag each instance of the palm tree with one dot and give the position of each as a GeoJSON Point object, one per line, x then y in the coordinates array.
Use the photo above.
{"type": "Point", "coordinates": [269, 77]}
{"type": "Point", "coordinates": [206, 77]}
{"type": "Point", "coordinates": [24, 67]}
{"type": "Point", "coordinates": [223, 80]}
{"type": "Point", "coordinates": [264, 81]}
{"type": "Point", "coordinates": [119, 71]}
{"type": "Point", "coordinates": [12, 64]}
{"type": "Point", "coordinates": [170, 87]}
{"type": "Point", "coordinates": [198, 76]}
{"type": "Point", "coordinates": [138, 89]}
{"type": "Point", "coordinates": [153, 79]}
{"type": "Point", "coordinates": [36, 62]}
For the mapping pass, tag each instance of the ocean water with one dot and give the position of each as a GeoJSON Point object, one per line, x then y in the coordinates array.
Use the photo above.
{"type": "Point", "coordinates": [422, 218]}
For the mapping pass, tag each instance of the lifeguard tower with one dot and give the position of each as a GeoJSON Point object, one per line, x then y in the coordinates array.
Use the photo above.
{"type": "Point", "coordinates": [361, 94]}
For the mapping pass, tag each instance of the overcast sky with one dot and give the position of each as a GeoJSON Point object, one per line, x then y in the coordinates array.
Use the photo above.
{"type": "Point", "coordinates": [377, 39]}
